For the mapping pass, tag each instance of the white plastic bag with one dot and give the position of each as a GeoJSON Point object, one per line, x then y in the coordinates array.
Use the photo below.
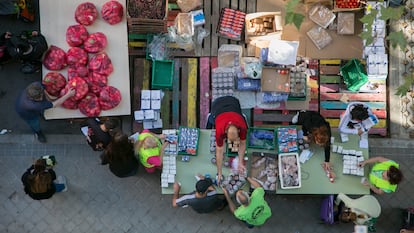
{"type": "Point", "coordinates": [283, 52]}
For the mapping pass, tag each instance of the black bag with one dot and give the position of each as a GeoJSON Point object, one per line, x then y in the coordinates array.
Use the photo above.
{"type": "Point", "coordinates": [408, 218]}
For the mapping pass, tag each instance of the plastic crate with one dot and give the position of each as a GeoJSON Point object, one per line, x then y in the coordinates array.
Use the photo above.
{"type": "Point", "coordinates": [188, 139]}
{"type": "Point", "coordinates": [290, 177]}
{"type": "Point", "coordinates": [354, 74]}
{"type": "Point", "coordinates": [261, 138]}
{"type": "Point", "coordinates": [295, 92]}
{"type": "Point", "coordinates": [162, 74]}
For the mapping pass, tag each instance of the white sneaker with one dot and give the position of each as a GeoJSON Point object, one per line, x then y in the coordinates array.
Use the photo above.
{"type": "Point", "coordinates": [62, 180]}
{"type": "Point", "coordinates": [295, 118]}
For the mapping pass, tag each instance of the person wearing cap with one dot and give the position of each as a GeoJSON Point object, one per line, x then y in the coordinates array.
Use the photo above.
{"type": "Point", "coordinates": [33, 101]}
{"type": "Point", "coordinates": [203, 200]}
{"type": "Point", "coordinates": [253, 209]}
{"type": "Point", "coordinates": [227, 118]}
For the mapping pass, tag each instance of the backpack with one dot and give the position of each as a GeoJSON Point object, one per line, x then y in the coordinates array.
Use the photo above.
{"type": "Point", "coordinates": [329, 212]}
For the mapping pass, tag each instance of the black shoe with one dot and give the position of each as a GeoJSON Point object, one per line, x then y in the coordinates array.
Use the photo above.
{"type": "Point", "coordinates": [40, 137]}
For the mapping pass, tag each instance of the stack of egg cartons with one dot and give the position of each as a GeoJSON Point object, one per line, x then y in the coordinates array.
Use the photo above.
{"type": "Point", "coordinates": [169, 168]}
{"type": "Point", "coordinates": [222, 82]}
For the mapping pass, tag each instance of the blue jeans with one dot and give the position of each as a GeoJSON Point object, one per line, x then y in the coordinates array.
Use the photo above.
{"type": "Point", "coordinates": [34, 124]}
{"type": "Point", "coordinates": [59, 187]}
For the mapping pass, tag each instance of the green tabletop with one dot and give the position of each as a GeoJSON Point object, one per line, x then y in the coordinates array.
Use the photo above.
{"type": "Point", "coordinates": [186, 171]}
{"type": "Point", "coordinates": [314, 179]}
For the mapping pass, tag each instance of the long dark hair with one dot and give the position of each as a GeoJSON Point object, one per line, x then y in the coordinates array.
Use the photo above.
{"type": "Point", "coordinates": [120, 148]}
{"type": "Point", "coordinates": [40, 180]}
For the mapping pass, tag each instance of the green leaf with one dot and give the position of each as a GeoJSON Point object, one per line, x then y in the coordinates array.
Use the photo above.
{"type": "Point", "coordinates": [397, 39]}
{"type": "Point", "coordinates": [367, 36]}
{"type": "Point", "coordinates": [406, 86]}
{"type": "Point", "coordinates": [369, 18]}
{"type": "Point", "coordinates": [294, 18]}
{"type": "Point", "coordinates": [291, 5]}
{"type": "Point", "coordinates": [394, 13]}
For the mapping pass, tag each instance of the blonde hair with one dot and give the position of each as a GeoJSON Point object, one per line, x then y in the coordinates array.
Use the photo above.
{"type": "Point", "coordinates": [150, 142]}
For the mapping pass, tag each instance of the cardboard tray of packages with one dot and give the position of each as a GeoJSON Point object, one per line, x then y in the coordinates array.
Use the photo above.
{"type": "Point", "coordinates": [289, 172]}
{"type": "Point", "coordinates": [262, 24]}
{"type": "Point", "coordinates": [275, 79]}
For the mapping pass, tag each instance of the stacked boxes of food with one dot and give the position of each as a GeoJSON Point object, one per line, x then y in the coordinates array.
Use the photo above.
{"type": "Point", "coordinates": [188, 140]}
{"type": "Point", "coordinates": [231, 24]}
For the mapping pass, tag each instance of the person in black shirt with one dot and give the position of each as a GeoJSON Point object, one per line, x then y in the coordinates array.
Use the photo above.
{"type": "Point", "coordinates": [40, 182]}
{"type": "Point", "coordinates": [204, 200]}
{"type": "Point", "coordinates": [315, 130]}
{"type": "Point", "coordinates": [119, 154]}
{"type": "Point", "coordinates": [99, 133]}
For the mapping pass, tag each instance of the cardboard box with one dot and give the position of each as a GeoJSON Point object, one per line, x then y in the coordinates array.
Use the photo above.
{"type": "Point", "coordinates": [262, 24]}
{"type": "Point", "coordinates": [275, 79]}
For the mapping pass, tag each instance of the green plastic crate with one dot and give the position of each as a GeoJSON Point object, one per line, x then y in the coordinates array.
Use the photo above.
{"type": "Point", "coordinates": [354, 75]}
{"type": "Point", "coordinates": [162, 74]}
{"type": "Point", "coordinates": [261, 143]}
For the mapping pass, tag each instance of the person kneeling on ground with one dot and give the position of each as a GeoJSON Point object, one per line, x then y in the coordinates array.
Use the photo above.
{"type": "Point", "coordinates": [150, 151]}
{"type": "Point", "coordinates": [119, 154]}
{"type": "Point", "coordinates": [99, 134]}
{"type": "Point", "coordinates": [40, 181]}
{"type": "Point", "coordinates": [385, 175]}
{"type": "Point", "coordinates": [253, 210]}
{"type": "Point", "coordinates": [204, 200]}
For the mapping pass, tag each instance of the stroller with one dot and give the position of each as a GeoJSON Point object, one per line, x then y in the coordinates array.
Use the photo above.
{"type": "Point", "coordinates": [368, 205]}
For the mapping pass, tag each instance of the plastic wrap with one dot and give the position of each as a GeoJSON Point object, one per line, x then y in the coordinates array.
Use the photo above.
{"type": "Point", "coordinates": [320, 37]}
{"type": "Point", "coordinates": [346, 22]}
{"type": "Point", "coordinates": [321, 15]}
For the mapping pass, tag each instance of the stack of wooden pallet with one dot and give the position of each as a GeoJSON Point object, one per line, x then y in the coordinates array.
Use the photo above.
{"type": "Point", "coordinates": [334, 97]}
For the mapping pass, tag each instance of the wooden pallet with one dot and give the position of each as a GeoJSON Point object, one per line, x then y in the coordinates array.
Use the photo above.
{"type": "Point", "coordinates": [210, 44]}
{"type": "Point", "coordinates": [179, 105]}
{"type": "Point", "coordinates": [334, 97]}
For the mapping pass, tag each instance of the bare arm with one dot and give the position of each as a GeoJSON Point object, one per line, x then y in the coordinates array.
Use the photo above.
{"type": "Point", "coordinates": [176, 194]}
{"type": "Point", "coordinates": [253, 182]}
{"type": "Point", "coordinates": [62, 99]}
{"type": "Point", "coordinates": [232, 206]}
{"type": "Point", "coordinates": [219, 159]}
{"type": "Point", "coordinates": [242, 151]}
{"type": "Point", "coordinates": [373, 160]}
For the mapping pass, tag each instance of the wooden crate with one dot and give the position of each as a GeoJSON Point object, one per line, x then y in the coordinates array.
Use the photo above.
{"type": "Point", "coordinates": [334, 98]}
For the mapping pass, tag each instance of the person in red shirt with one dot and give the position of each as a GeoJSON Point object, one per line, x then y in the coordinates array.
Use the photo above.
{"type": "Point", "coordinates": [230, 124]}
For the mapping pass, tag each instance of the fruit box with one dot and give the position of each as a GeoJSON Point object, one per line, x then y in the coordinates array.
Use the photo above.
{"type": "Point", "coordinates": [162, 74]}
{"type": "Point", "coordinates": [346, 5]}
{"type": "Point", "coordinates": [261, 138]}
{"type": "Point", "coordinates": [188, 140]}
{"type": "Point", "coordinates": [275, 79]}
{"type": "Point", "coordinates": [289, 171]}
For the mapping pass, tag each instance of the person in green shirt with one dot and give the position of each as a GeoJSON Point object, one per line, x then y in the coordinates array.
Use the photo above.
{"type": "Point", "coordinates": [385, 175]}
{"type": "Point", "coordinates": [253, 209]}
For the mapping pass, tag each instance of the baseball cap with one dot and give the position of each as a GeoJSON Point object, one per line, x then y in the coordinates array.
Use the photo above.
{"type": "Point", "coordinates": [202, 185]}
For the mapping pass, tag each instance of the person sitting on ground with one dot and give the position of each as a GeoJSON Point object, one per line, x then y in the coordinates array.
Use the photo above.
{"type": "Point", "coordinates": [316, 130]}
{"type": "Point", "coordinates": [352, 120]}
{"type": "Point", "coordinates": [227, 118]}
{"type": "Point", "coordinates": [119, 154]}
{"type": "Point", "coordinates": [150, 151]}
{"type": "Point", "coordinates": [99, 133]}
{"type": "Point", "coordinates": [33, 101]}
{"type": "Point", "coordinates": [385, 175]}
{"type": "Point", "coordinates": [203, 200]}
{"type": "Point", "coordinates": [253, 210]}
{"type": "Point", "coordinates": [28, 47]}
{"type": "Point", "coordinates": [40, 182]}
{"type": "Point", "coordinates": [360, 210]}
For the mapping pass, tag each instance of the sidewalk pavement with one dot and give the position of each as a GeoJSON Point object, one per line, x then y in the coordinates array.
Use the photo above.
{"type": "Point", "coordinates": [97, 201]}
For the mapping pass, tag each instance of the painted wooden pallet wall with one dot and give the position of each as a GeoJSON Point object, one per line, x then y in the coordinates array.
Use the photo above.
{"type": "Point", "coordinates": [334, 97]}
